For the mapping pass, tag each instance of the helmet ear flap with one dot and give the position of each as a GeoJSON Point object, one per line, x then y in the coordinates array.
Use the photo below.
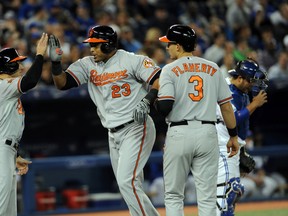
{"type": "Point", "coordinates": [12, 67]}
{"type": "Point", "coordinates": [107, 48]}
{"type": "Point", "coordinates": [9, 68]}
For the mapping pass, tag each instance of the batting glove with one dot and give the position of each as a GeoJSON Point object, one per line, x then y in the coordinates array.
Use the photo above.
{"type": "Point", "coordinates": [55, 51]}
{"type": "Point", "coordinates": [141, 111]}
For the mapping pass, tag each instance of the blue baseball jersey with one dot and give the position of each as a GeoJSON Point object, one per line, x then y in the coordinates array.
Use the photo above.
{"type": "Point", "coordinates": [240, 101]}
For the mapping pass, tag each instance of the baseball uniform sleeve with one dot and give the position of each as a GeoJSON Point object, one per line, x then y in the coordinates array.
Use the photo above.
{"type": "Point", "coordinates": [146, 69]}
{"type": "Point", "coordinates": [224, 91]}
{"type": "Point", "coordinates": [79, 70]}
{"type": "Point", "coordinates": [11, 87]}
{"type": "Point", "coordinates": [166, 90]}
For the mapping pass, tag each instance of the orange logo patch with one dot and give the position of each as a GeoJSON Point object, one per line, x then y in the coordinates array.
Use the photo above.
{"type": "Point", "coordinates": [148, 63]}
{"type": "Point", "coordinates": [58, 51]}
{"type": "Point", "coordinates": [90, 33]}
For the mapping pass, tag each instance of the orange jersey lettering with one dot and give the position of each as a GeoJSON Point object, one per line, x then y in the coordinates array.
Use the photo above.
{"type": "Point", "coordinates": [106, 77]}
{"type": "Point", "coordinates": [197, 67]}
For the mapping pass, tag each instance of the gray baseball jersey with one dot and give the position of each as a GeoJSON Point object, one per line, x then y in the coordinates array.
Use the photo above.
{"type": "Point", "coordinates": [11, 110]}
{"type": "Point", "coordinates": [196, 85]}
{"type": "Point", "coordinates": [116, 87]}
{"type": "Point", "coordinates": [11, 128]}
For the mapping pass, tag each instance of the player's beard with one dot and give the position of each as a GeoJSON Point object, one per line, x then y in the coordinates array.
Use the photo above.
{"type": "Point", "coordinates": [101, 58]}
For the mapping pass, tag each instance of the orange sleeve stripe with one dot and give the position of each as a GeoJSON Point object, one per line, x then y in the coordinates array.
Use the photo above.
{"type": "Point", "coordinates": [18, 85]}
{"type": "Point", "coordinates": [153, 74]}
{"type": "Point", "coordinates": [166, 98]}
{"type": "Point", "coordinates": [225, 100]}
{"type": "Point", "coordinates": [74, 76]}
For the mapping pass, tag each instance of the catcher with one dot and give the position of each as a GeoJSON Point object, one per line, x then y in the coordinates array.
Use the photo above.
{"type": "Point", "coordinates": [245, 78]}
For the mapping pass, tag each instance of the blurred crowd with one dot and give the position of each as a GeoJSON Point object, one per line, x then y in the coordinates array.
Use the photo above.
{"type": "Point", "coordinates": [228, 31]}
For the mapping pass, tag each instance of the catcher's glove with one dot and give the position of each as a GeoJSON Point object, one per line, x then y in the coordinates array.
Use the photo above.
{"type": "Point", "coordinates": [247, 163]}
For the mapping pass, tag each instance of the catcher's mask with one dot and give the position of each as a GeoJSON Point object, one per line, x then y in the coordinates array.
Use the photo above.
{"type": "Point", "coordinates": [260, 82]}
{"type": "Point", "coordinates": [104, 35]}
{"type": "Point", "coordinates": [9, 59]}
{"type": "Point", "coordinates": [181, 34]}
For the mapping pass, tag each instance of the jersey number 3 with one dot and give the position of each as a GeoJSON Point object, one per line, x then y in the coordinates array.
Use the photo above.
{"type": "Point", "coordinates": [198, 87]}
{"type": "Point", "coordinates": [124, 90]}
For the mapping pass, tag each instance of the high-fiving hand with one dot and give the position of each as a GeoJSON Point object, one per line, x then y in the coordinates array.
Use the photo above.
{"type": "Point", "coordinates": [55, 51]}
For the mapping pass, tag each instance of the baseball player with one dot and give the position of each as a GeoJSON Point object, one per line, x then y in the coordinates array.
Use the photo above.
{"type": "Point", "coordinates": [190, 89]}
{"type": "Point", "coordinates": [13, 83]}
{"type": "Point", "coordinates": [245, 77]}
{"type": "Point", "coordinates": [118, 83]}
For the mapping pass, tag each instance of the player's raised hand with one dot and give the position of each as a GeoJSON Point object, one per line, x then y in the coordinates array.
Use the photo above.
{"type": "Point", "coordinates": [232, 146]}
{"type": "Point", "coordinates": [42, 44]}
{"type": "Point", "coordinates": [260, 99]}
{"type": "Point", "coordinates": [141, 111]}
{"type": "Point", "coordinates": [22, 165]}
{"type": "Point", "coordinates": [55, 51]}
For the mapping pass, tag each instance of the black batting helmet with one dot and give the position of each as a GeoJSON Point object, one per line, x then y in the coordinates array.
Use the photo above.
{"type": "Point", "coordinates": [9, 58]}
{"type": "Point", "coordinates": [105, 35]}
{"type": "Point", "coordinates": [181, 34]}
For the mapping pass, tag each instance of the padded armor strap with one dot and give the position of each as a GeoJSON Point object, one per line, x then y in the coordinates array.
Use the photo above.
{"type": "Point", "coordinates": [233, 193]}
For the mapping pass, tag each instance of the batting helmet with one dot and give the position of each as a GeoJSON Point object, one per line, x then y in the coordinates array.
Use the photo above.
{"type": "Point", "coordinates": [104, 35]}
{"type": "Point", "coordinates": [181, 34]}
{"type": "Point", "coordinates": [246, 69]}
{"type": "Point", "coordinates": [9, 58]}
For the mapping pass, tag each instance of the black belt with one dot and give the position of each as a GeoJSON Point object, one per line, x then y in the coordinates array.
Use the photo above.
{"type": "Point", "coordinates": [220, 121]}
{"type": "Point", "coordinates": [185, 122]}
{"type": "Point", "coordinates": [10, 143]}
{"type": "Point", "coordinates": [113, 130]}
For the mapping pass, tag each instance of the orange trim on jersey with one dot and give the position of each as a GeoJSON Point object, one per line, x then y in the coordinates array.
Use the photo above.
{"type": "Point", "coordinates": [152, 75]}
{"type": "Point", "coordinates": [225, 100]}
{"type": "Point", "coordinates": [75, 77]}
{"type": "Point", "coordinates": [18, 85]}
{"type": "Point", "coordinates": [135, 169]}
{"type": "Point", "coordinates": [166, 98]}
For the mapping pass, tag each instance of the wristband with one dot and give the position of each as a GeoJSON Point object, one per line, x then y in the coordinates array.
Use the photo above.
{"type": "Point", "coordinates": [232, 132]}
{"type": "Point", "coordinates": [56, 68]}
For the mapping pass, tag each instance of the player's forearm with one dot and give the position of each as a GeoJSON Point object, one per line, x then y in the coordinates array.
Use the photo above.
{"type": "Point", "coordinates": [59, 76]}
{"type": "Point", "coordinates": [252, 107]}
{"type": "Point", "coordinates": [31, 78]}
{"type": "Point", "coordinates": [229, 117]}
{"type": "Point", "coordinates": [155, 84]}
{"type": "Point", "coordinates": [152, 94]}
{"type": "Point", "coordinates": [60, 80]}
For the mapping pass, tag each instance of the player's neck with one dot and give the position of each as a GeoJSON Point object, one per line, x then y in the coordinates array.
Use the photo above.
{"type": "Point", "coordinates": [4, 76]}
{"type": "Point", "coordinates": [184, 54]}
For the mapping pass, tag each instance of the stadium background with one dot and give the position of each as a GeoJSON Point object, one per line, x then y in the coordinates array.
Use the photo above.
{"type": "Point", "coordinates": [65, 124]}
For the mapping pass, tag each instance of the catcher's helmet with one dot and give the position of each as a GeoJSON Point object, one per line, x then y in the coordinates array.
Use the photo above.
{"type": "Point", "coordinates": [260, 82]}
{"type": "Point", "coordinates": [105, 35]}
{"type": "Point", "coordinates": [182, 34]}
{"type": "Point", "coordinates": [9, 58]}
{"type": "Point", "coordinates": [246, 69]}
